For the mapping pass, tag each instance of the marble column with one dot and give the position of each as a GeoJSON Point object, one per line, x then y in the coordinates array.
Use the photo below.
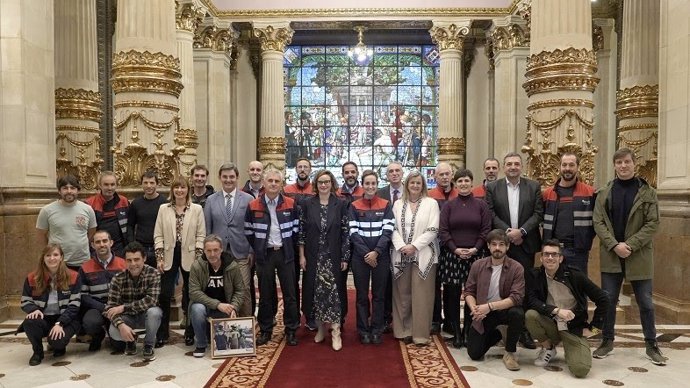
{"type": "Point", "coordinates": [273, 37]}
{"type": "Point", "coordinates": [188, 15]}
{"type": "Point", "coordinates": [146, 82]}
{"type": "Point", "coordinates": [510, 37]}
{"type": "Point", "coordinates": [213, 45]}
{"type": "Point", "coordinates": [605, 45]}
{"type": "Point", "coordinates": [479, 86]}
{"type": "Point", "coordinates": [27, 130]}
{"type": "Point", "coordinates": [448, 36]}
{"type": "Point", "coordinates": [77, 100]}
{"type": "Point", "coordinates": [637, 100]}
{"type": "Point", "coordinates": [560, 83]}
{"type": "Point", "coordinates": [671, 263]}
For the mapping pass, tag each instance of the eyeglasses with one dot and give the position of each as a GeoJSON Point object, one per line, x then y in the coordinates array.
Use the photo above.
{"type": "Point", "coordinates": [551, 254]}
{"type": "Point", "coordinates": [328, 182]}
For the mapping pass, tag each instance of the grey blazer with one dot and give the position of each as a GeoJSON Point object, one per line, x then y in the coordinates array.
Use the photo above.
{"type": "Point", "coordinates": [230, 230]}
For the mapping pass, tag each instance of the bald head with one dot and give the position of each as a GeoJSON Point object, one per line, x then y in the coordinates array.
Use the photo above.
{"type": "Point", "coordinates": [443, 175]}
{"type": "Point", "coordinates": [255, 172]}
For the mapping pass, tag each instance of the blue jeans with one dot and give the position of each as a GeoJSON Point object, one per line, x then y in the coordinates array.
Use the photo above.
{"type": "Point", "coordinates": [150, 320]}
{"type": "Point", "coordinates": [198, 314]}
{"type": "Point", "coordinates": [577, 258]}
{"type": "Point", "coordinates": [611, 283]}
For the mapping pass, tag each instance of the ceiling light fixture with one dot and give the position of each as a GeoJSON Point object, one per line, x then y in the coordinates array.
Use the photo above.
{"type": "Point", "coordinates": [360, 53]}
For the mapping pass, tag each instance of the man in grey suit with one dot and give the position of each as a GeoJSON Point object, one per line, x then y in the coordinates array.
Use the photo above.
{"type": "Point", "coordinates": [224, 213]}
{"type": "Point", "coordinates": [392, 191]}
{"type": "Point", "coordinates": [517, 207]}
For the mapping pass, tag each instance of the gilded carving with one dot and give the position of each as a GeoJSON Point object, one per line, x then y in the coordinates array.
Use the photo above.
{"type": "Point", "coordinates": [271, 145]}
{"type": "Point", "coordinates": [135, 160]}
{"type": "Point", "coordinates": [507, 38]}
{"type": "Point", "coordinates": [79, 104]}
{"type": "Point", "coordinates": [638, 101]}
{"type": "Point", "coordinates": [489, 51]}
{"type": "Point", "coordinates": [597, 38]}
{"type": "Point", "coordinates": [77, 128]}
{"type": "Point", "coordinates": [645, 148]}
{"type": "Point", "coordinates": [215, 39]}
{"type": "Point", "coordinates": [569, 69]}
{"type": "Point", "coordinates": [449, 37]}
{"type": "Point", "coordinates": [561, 102]}
{"type": "Point", "coordinates": [136, 71]}
{"type": "Point", "coordinates": [146, 104]}
{"type": "Point", "coordinates": [86, 170]}
{"type": "Point", "coordinates": [524, 10]}
{"type": "Point", "coordinates": [274, 39]}
{"type": "Point", "coordinates": [637, 126]}
{"type": "Point", "coordinates": [451, 146]}
{"type": "Point", "coordinates": [187, 137]}
{"type": "Point", "coordinates": [188, 16]}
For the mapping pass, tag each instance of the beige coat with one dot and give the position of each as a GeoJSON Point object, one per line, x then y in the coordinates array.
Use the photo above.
{"type": "Point", "coordinates": [193, 233]}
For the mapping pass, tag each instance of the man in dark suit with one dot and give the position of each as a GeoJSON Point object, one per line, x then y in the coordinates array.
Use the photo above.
{"type": "Point", "coordinates": [517, 206]}
{"type": "Point", "coordinates": [224, 214]}
{"type": "Point", "coordinates": [391, 192]}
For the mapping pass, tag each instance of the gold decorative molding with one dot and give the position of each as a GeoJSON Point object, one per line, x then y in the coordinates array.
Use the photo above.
{"type": "Point", "coordinates": [79, 104]}
{"type": "Point", "coordinates": [274, 39]}
{"type": "Point", "coordinates": [187, 138]}
{"type": "Point", "coordinates": [524, 10]}
{"type": "Point", "coordinates": [135, 160]}
{"type": "Point", "coordinates": [597, 38]}
{"type": "Point", "coordinates": [136, 71]}
{"type": "Point", "coordinates": [449, 37]}
{"type": "Point", "coordinates": [86, 170]}
{"type": "Point", "coordinates": [451, 146]}
{"type": "Point", "coordinates": [637, 101]}
{"type": "Point", "coordinates": [146, 104]}
{"type": "Point", "coordinates": [569, 69]}
{"type": "Point", "coordinates": [214, 38]}
{"type": "Point", "coordinates": [633, 127]}
{"type": "Point", "coordinates": [489, 51]}
{"type": "Point", "coordinates": [510, 37]}
{"type": "Point", "coordinates": [188, 16]}
{"type": "Point", "coordinates": [645, 149]}
{"type": "Point", "coordinates": [561, 103]}
{"type": "Point", "coordinates": [76, 128]}
{"type": "Point", "coordinates": [271, 145]}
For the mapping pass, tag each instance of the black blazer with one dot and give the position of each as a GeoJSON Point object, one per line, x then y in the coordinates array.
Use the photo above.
{"type": "Point", "coordinates": [530, 212]}
{"type": "Point", "coordinates": [385, 193]}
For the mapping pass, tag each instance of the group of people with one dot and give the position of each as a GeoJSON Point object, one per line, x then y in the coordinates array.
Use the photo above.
{"type": "Point", "coordinates": [414, 253]}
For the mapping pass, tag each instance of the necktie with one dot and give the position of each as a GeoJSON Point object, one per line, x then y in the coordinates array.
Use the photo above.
{"type": "Point", "coordinates": [228, 205]}
{"type": "Point", "coordinates": [395, 195]}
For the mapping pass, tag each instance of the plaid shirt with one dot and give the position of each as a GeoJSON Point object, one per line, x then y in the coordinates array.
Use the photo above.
{"type": "Point", "coordinates": [137, 295]}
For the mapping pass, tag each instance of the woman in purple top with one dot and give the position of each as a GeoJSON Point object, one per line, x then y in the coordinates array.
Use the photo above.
{"type": "Point", "coordinates": [465, 221]}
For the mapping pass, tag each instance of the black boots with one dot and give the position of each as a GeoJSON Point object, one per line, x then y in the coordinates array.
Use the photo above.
{"type": "Point", "coordinates": [458, 339]}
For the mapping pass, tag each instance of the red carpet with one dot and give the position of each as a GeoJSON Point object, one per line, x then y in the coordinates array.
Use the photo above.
{"type": "Point", "coordinates": [390, 364]}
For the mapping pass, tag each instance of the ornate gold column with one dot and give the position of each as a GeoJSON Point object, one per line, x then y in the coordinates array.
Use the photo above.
{"type": "Point", "coordinates": [213, 44]}
{"type": "Point", "coordinates": [448, 36]}
{"type": "Point", "coordinates": [146, 82]}
{"type": "Point", "coordinates": [560, 84]}
{"type": "Point", "coordinates": [77, 100]}
{"type": "Point", "coordinates": [273, 37]}
{"type": "Point", "coordinates": [188, 15]}
{"type": "Point", "coordinates": [637, 100]}
{"type": "Point", "coordinates": [510, 37]}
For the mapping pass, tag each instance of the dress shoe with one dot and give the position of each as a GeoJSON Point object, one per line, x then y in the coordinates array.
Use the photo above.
{"type": "Point", "coordinates": [95, 345]}
{"type": "Point", "coordinates": [263, 338]}
{"type": "Point", "coordinates": [527, 341]}
{"type": "Point", "coordinates": [59, 352]}
{"type": "Point", "coordinates": [458, 339]}
{"type": "Point", "coordinates": [435, 328]}
{"type": "Point", "coordinates": [160, 343]}
{"type": "Point", "coordinates": [365, 338]}
{"type": "Point", "coordinates": [335, 337]}
{"type": "Point", "coordinates": [448, 328]}
{"type": "Point", "coordinates": [36, 358]}
{"type": "Point", "coordinates": [290, 338]}
{"type": "Point", "coordinates": [376, 339]}
{"type": "Point", "coordinates": [189, 340]}
{"type": "Point", "coordinates": [406, 340]}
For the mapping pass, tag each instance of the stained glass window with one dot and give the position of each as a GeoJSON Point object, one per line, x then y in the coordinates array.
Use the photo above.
{"type": "Point", "coordinates": [372, 114]}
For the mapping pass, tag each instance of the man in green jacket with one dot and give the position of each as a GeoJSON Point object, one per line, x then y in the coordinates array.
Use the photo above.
{"type": "Point", "coordinates": [216, 289]}
{"type": "Point", "coordinates": [626, 216]}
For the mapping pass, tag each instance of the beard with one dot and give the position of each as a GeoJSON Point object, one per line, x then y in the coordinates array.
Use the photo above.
{"type": "Point", "coordinates": [568, 176]}
{"type": "Point", "coordinates": [498, 255]}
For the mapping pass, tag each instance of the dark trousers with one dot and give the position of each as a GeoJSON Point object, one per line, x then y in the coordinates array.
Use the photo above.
{"type": "Point", "coordinates": [150, 255]}
{"type": "Point", "coordinates": [363, 273]}
{"type": "Point", "coordinates": [94, 324]}
{"type": "Point", "coordinates": [298, 271]}
{"type": "Point", "coordinates": [167, 291]}
{"type": "Point", "coordinates": [274, 262]}
{"type": "Point", "coordinates": [439, 301]}
{"type": "Point", "coordinates": [388, 300]}
{"type": "Point", "coordinates": [577, 258]}
{"type": "Point", "coordinates": [479, 344]}
{"type": "Point", "coordinates": [518, 253]}
{"type": "Point", "coordinates": [451, 303]}
{"type": "Point", "coordinates": [342, 285]}
{"type": "Point", "coordinates": [36, 329]}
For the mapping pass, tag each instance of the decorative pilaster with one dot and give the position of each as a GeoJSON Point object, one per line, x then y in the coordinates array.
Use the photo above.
{"type": "Point", "coordinates": [273, 39]}
{"type": "Point", "coordinates": [560, 83]}
{"type": "Point", "coordinates": [188, 16]}
{"type": "Point", "coordinates": [77, 100]}
{"type": "Point", "coordinates": [637, 100]}
{"type": "Point", "coordinates": [449, 37]}
{"type": "Point", "coordinates": [510, 38]}
{"type": "Point", "coordinates": [146, 82]}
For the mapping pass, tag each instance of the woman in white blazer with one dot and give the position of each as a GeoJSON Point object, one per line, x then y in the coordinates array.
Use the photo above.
{"type": "Point", "coordinates": [178, 239]}
{"type": "Point", "coordinates": [414, 260]}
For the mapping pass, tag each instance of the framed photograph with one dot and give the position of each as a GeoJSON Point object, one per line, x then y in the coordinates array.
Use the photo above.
{"type": "Point", "coordinates": [232, 337]}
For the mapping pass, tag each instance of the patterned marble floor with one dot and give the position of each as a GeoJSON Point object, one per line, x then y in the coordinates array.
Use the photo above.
{"type": "Point", "coordinates": [173, 368]}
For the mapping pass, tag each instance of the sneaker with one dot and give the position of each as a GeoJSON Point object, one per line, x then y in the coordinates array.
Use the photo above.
{"type": "Point", "coordinates": [654, 354]}
{"type": "Point", "coordinates": [199, 352]}
{"type": "Point", "coordinates": [131, 348]}
{"type": "Point", "coordinates": [545, 356]}
{"type": "Point", "coordinates": [148, 353]}
{"type": "Point", "coordinates": [510, 361]}
{"type": "Point", "coordinates": [604, 350]}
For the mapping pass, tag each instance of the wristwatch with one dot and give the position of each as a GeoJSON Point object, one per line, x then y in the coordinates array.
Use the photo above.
{"type": "Point", "coordinates": [58, 323]}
